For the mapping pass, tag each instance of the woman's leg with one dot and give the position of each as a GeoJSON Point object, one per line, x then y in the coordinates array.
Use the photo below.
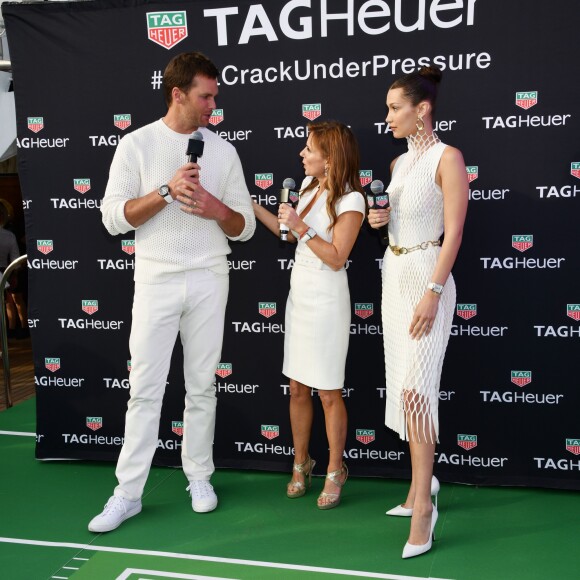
{"type": "Point", "coordinates": [301, 412]}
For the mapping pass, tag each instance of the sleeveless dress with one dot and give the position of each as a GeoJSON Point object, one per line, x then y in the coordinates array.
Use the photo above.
{"type": "Point", "coordinates": [318, 310]}
{"type": "Point", "coordinates": [413, 367]}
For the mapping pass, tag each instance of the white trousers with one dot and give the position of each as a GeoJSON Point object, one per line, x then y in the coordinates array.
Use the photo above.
{"type": "Point", "coordinates": [192, 303]}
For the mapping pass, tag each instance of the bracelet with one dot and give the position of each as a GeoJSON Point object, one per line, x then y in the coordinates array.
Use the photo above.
{"type": "Point", "coordinates": [309, 234]}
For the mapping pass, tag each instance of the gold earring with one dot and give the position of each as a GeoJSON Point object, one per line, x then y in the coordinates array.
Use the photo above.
{"type": "Point", "coordinates": [422, 127]}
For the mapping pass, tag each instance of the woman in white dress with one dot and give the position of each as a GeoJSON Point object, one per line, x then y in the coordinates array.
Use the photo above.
{"type": "Point", "coordinates": [428, 196]}
{"type": "Point", "coordinates": [325, 225]}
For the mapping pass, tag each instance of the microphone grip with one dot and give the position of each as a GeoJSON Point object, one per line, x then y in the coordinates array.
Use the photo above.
{"type": "Point", "coordinates": [192, 158]}
{"type": "Point", "coordinates": [380, 201]}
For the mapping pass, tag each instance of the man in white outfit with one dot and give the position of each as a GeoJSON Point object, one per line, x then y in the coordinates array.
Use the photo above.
{"type": "Point", "coordinates": [183, 215]}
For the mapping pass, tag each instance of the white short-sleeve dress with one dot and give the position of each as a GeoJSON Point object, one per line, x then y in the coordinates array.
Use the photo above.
{"type": "Point", "coordinates": [318, 306]}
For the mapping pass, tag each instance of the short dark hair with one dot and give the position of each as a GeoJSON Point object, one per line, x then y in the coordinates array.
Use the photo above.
{"type": "Point", "coordinates": [182, 69]}
{"type": "Point", "coordinates": [421, 85]}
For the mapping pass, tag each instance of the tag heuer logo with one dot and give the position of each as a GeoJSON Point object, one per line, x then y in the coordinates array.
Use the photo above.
{"type": "Point", "coordinates": [129, 365]}
{"type": "Point", "coordinates": [177, 427]}
{"type": "Point", "coordinates": [467, 441]}
{"type": "Point", "coordinates": [366, 176]}
{"type": "Point", "coordinates": [381, 200]}
{"type": "Point", "coordinates": [44, 246]}
{"type": "Point", "coordinates": [522, 243]}
{"type": "Point", "coordinates": [224, 370]}
{"type": "Point", "coordinates": [82, 185]}
{"type": "Point", "coordinates": [573, 311]}
{"type": "Point", "coordinates": [52, 364]}
{"type": "Point", "coordinates": [217, 116]}
{"type": "Point", "coordinates": [363, 309]}
{"type": "Point", "coordinates": [35, 124]}
{"type": "Point", "coordinates": [122, 121]}
{"type": "Point", "coordinates": [526, 99]}
{"type": "Point", "coordinates": [293, 196]}
{"type": "Point", "coordinates": [575, 169]}
{"type": "Point", "coordinates": [466, 311]}
{"type": "Point", "coordinates": [472, 172]}
{"type": "Point", "coordinates": [167, 28]}
{"type": "Point", "coordinates": [263, 180]}
{"type": "Point", "coordinates": [573, 446]}
{"type": "Point", "coordinates": [94, 423]}
{"type": "Point", "coordinates": [521, 378]}
{"type": "Point", "coordinates": [365, 436]}
{"type": "Point", "coordinates": [128, 246]}
{"type": "Point", "coordinates": [90, 306]}
{"type": "Point", "coordinates": [270, 431]}
{"type": "Point", "coordinates": [312, 111]}
{"type": "Point", "coordinates": [267, 309]}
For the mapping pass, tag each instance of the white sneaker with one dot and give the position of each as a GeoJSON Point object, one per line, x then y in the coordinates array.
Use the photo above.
{"type": "Point", "coordinates": [203, 497]}
{"type": "Point", "coordinates": [117, 510]}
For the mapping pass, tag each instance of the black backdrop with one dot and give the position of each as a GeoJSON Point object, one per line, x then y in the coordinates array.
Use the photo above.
{"type": "Point", "coordinates": [87, 73]}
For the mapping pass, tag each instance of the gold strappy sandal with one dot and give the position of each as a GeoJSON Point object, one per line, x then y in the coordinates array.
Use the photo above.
{"type": "Point", "coordinates": [298, 488]}
{"type": "Point", "coordinates": [334, 497]}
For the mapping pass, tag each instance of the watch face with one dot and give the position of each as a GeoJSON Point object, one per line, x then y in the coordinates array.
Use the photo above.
{"type": "Point", "coordinates": [164, 190]}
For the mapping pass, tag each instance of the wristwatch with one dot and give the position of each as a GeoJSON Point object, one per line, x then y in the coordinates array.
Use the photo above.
{"type": "Point", "coordinates": [308, 234]}
{"type": "Point", "coordinates": [434, 287]}
{"type": "Point", "coordinates": [165, 193]}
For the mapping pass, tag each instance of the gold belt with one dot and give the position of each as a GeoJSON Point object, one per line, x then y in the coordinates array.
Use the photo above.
{"type": "Point", "coordinates": [398, 250]}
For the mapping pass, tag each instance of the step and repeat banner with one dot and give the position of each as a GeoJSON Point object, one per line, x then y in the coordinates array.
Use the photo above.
{"type": "Point", "coordinates": [88, 73]}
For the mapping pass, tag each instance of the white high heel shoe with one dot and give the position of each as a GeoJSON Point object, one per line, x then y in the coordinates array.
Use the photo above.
{"type": "Point", "coordinates": [412, 550]}
{"type": "Point", "coordinates": [404, 512]}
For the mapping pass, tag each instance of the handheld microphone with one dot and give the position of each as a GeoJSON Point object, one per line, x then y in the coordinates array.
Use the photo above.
{"type": "Point", "coordinates": [289, 196]}
{"type": "Point", "coordinates": [379, 199]}
{"type": "Point", "coordinates": [195, 147]}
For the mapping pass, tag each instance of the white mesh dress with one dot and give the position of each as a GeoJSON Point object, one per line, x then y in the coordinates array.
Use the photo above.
{"type": "Point", "coordinates": [413, 367]}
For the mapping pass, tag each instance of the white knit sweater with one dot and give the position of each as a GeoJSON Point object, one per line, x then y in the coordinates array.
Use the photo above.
{"type": "Point", "coordinates": [172, 240]}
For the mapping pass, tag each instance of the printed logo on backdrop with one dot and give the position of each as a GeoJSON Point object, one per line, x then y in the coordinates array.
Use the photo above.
{"type": "Point", "coordinates": [526, 99]}
{"type": "Point", "coordinates": [224, 370]}
{"type": "Point", "coordinates": [267, 309]}
{"type": "Point", "coordinates": [270, 431]}
{"type": "Point", "coordinates": [129, 365]}
{"type": "Point", "coordinates": [167, 28]}
{"type": "Point", "coordinates": [312, 111]}
{"type": "Point", "coordinates": [366, 176]}
{"type": "Point", "coordinates": [82, 185]}
{"type": "Point", "coordinates": [468, 442]}
{"type": "Point", "coordinates": [472, 172]}
{"type": "Point", "coordinates": [575, 169]}
{"type": "Point", "coordinates": [94, 423]}
{"type": "Point", "coordinates": [264, 180]}
{"type": "Point", "coordinates": [363, 309]}
{"type": "Point", "coordinates": [521, 378]}
{"type": "Point", "coordinates": [90, 306]}
{"type": "Point", "coordinates": [35, 124]}
{"type": "Point", "coordinates": [44, 246]}
{"type": "Point", "coordinates": [52, 363]}
{"type": "Point", "coordinates": [573, 446]}
{"type": "Point", "coordinates": [365, 436]}
{"type": "Point", "coordinates": [466, 311]}
{"type": "Point", "coordinates": [216, 117]}
{"type": "Point", "coordinates": [177, 427]}
{"type": "Point", "coordinates": [122, 121]}
{"type": "Point", "coordinates": [522, 242]}
{"type": "Point", "coordinates": [573, 311]}
{"type": "Point", "coordinates": [128, 246]}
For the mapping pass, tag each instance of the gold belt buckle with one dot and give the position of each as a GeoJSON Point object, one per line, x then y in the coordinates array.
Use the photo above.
{"type": "Point", "coordinates": [398, 250]}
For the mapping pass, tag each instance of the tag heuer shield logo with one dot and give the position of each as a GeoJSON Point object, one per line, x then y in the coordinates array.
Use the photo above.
{"type": "Point", "coordinates": [167, 28]}
{"type": "Point", "coordinates": [366, 176]}
{"type": "Point", "coordinates": [472, 172]}
{"type": "Point", "coordinates": [217, 116]}
{"type": "Point", "coordinates": [224, 370]}
{"type": "Point", "coordinates": [129, 365]}
{"type": "Point", "coordinates": [521, 378]}
{"type": "Point", "coordinates": [573, 311]}
{"type": "Point", "coordinates": [82, 185]}
{"type": "Point", "coordinates": [44, 246]}
{"type": "Point", "coordinates": [177, 427]}
{"type": "Point", "coordinates": [94, 423]}
{"type": "Point", "coordinates": [264, 180]}
{"type": "Point", "coordinates": [526, 99]}
{"type": "Point", "coordinates": [52, 364]}
{"type": "Point", "coordinates": [128, 246]}
{"type": "Point", "coordinates": [466, 311]}
{"type": "Point", "coordinates": [363, 309]}
{"type": "Point", "coordinates": [575, 169]}
{"type": "Point", "coordinates": [35, 124]}
{"type": "Point", "coordinates": [573, 446]}
{"type": "Point", "coordinates": [270, 431]}
{"type": "Point", "coordinates": [365, 436]}
{"type": "Point", "coordinates": [522, 243]}
{"type": "Point", "coordinates": [122, 121]}
{"type": "Point", "coordinates": [467, 441]}
{"type": "Point", "coordinates": [90, 306]}
{"type": "Point", "coordinates": [312, 111]}
{"type": "Point", "coordinates": [267, 309]}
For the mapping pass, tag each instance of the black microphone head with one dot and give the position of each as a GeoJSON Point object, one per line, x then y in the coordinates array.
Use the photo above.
{"type": "Point", "coordinates": [377, 186]}
{"type": "Point", "coordinates": [195, 145]}
{"type": "Point", "coordinates": [289, 183]}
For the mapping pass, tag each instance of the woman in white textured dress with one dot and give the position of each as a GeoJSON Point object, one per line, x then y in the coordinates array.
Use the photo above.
{"type": "Point", "coordinates": [325, 224]}
{"type": "Point", "coordinates": [428, 196]}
